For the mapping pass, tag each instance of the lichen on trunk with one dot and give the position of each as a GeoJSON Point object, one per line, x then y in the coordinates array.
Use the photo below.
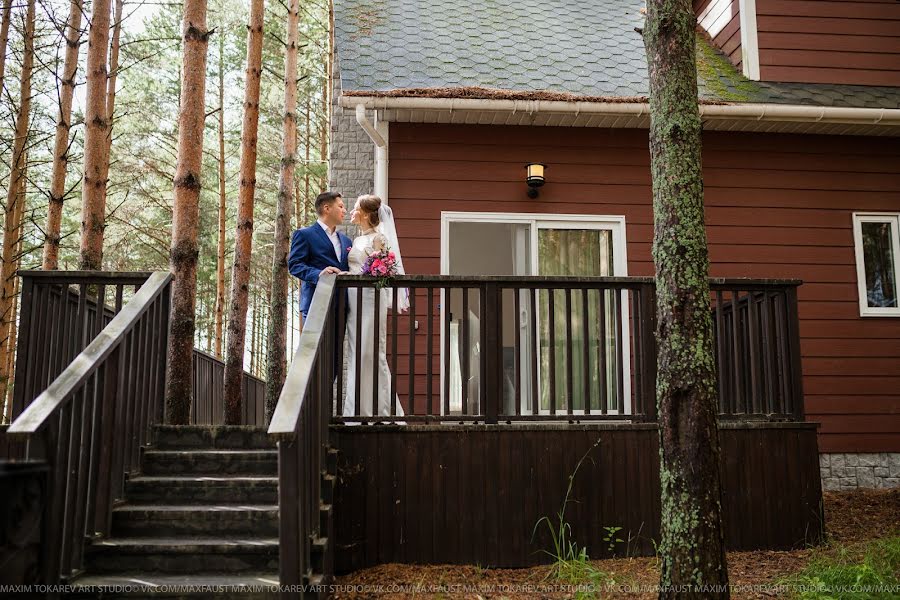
{"type": "Point", "coordinates": [692, 546]}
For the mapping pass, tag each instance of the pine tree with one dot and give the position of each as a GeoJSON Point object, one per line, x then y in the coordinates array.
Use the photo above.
{"type": "Point", "coordinates": [240, 272]}
{"type": "Point", "coordinates": [14, 202]}
{"type": "Point", "coordinates": [61, 142]}
{"type": "Point", "coordinates": [276, 359]}
{"type": "Point", "coordinates": [96, 123]}
{"type": "Point", "coordinates": [186, 213]}
{"type": "Point", "coordinates": [692, 546]}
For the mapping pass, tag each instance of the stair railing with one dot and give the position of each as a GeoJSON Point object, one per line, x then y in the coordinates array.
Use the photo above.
{"type": "Point", "coordinates": [89, 424]}
{"type": "Point", "coordinates": [300, 425]}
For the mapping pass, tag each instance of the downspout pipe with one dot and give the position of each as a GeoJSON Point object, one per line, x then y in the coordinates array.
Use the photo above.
{"type": "Point", "coordinates": [381, 153]}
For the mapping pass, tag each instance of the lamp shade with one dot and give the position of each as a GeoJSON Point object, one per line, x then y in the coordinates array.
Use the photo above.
{"type": "Point", "coordinates": [535, 174]}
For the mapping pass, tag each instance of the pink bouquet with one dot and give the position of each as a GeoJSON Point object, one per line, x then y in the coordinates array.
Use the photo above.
{"type": "Point", "coordinates": [381, 264]}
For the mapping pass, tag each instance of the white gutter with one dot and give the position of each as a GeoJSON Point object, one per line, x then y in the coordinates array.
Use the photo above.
{"type": "Point", "coordinates": [736, 112]}
{"type": "Point", "coordinates": [381, 150]}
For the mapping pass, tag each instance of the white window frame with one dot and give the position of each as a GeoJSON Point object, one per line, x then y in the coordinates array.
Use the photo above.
{"type": "Point", "coordinates": [875, 217]}
{"type": "Point", "coordinates": [615, 224]}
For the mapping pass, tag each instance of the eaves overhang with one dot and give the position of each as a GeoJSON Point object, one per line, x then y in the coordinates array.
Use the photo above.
{"type": "Point", "coordinates": [750, 117]}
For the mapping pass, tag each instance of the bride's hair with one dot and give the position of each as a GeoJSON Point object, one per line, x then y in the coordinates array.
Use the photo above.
{"type": "Point", "coordinates": [370, 204]}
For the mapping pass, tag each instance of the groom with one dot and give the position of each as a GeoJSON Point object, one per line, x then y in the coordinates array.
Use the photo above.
{"type": "Point", "coordinates": [319, 248]}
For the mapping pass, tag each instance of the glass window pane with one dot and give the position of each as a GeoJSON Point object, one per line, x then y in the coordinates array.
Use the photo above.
{"type": "Point", "coordinates": [878, 258]}
{"type": "Point", "coordinates": [578, 253]}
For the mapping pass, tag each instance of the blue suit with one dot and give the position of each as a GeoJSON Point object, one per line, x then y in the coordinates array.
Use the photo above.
{"type": "Point", "coordinates": [311, 253]}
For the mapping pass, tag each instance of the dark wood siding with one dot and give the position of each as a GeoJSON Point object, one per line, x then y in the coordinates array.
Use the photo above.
{"type": "Point", "coordinates": [722, 20]}
{"type": "Point", "coordinates": [829, 41]}
{"type": "Point", "coordinates": [474, 495]}
{"type": "Point", "coordinates": [777, 206]}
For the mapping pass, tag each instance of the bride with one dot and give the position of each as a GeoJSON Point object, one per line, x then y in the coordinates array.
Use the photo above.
{"type": "Point", "coordinates": [376, 223]}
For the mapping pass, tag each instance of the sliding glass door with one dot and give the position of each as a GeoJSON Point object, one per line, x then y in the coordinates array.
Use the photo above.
{"type": "Point", "coordinates": [544, 245]}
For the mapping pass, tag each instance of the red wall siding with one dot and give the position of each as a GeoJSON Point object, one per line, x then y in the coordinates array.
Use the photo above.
{"type": "Point", "coordinates": [829, 41]}
{"type": "Point", "coordinates": [777, 206]}
{"type": "Point", "coordinates": [712, 14]}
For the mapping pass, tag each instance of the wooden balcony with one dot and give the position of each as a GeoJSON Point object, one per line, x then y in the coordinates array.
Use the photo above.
{"type": "Point", "coordinates": [525, 349]}
{"type": "Point", "coordinates": [497, 390]}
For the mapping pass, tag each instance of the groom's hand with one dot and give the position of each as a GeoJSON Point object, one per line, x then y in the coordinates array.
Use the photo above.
{"type": "Point", "coordinates": [334, 270]}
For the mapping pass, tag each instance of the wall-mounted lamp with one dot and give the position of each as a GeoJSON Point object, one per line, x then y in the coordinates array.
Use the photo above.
{"type": "Point", "coordinates": [534, 178]}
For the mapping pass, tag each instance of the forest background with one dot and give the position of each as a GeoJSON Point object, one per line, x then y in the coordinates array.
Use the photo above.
{"type": "Point", "coordinates": [143, 151]}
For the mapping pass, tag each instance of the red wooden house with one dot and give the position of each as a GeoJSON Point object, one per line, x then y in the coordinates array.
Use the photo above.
{"type": "Point", "coordinates": [438, 107]}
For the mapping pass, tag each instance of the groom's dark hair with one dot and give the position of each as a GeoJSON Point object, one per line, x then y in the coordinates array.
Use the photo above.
{"type": "Point", "coordinates": [325, 198]}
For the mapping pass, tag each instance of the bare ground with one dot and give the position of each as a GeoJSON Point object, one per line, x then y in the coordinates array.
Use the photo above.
{"type": "Point", "coordinates": [851, 518]}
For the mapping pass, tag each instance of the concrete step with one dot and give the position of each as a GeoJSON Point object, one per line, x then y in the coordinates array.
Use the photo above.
{"type": "Point", "coordinates": [198, 520]}
{"type": "Point", "coordinates": [210, 462]}
{"type": "Point", "coordinates": [183, 555]}
{"type": "Point", "coordinates": [215, 586]}
{"type": "Point", "coordinates": [209, 437]}
{"type": "Point", "coordinates": [202, 489]}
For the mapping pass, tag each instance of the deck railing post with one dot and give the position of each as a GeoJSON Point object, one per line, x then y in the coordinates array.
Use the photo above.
{"type": "Point", "coordinates": [492, 350]}
{"type": "Point", "coordinates": [648, 350]}
{"type": "Point", "coordinates": [793, 334]}
{"type": "Point", "coordinates": [21, 375]}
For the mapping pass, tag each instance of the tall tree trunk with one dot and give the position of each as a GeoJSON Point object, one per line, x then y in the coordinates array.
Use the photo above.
{"type": "Point", "coordinates": [692, 546]}
{"type": "Point", "coordinates": [307, 143]}
{"type": "Point", "coordinates": [10, 324]}
{"type": "Point", "coordinates": [4, 38]}
{"type": "Point", "coordinates": [96, 123]}
{"type": "Point", "coordinates": [111, 92]}
{"type": "Point", "coordinates": [220, 254]}
{"type": "Point", "coordinates": [186, 213]}
{"type": "Point", "coordinates": [13, 325]}
{"type": "Point", "coordinates": [243, 240]}
{"type": "Point", "coordinates": [323, 130]}
{"type": "Point", "coordinates": [276, 363]}
{"type": "Point", "coordinates": [61, 142]}
{"type": "Point", "coordinates": [14, 200]}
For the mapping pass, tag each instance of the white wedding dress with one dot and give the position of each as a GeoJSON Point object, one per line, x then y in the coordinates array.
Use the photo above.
{"type": "Point", "coordinates": [363, 367]}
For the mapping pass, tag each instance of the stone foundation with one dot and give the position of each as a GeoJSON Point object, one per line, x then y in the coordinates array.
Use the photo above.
{"type": "Point", "coordinates": [851, 471]}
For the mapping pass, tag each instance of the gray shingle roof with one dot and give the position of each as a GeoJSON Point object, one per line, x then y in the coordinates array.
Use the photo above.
{"type": "Point", "coordinates": [584, 47]}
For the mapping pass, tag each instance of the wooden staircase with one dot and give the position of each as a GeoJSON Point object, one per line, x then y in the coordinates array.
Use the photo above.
{"type": "Point", "coordinates": [200, 520]}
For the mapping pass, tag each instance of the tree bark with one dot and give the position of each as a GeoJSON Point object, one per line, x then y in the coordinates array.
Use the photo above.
{"type": "Point", "coordinates": [15, 200]}
{"type": "Point", "coordinates": [61, 142]}
{"type": "Point", "coordinates": [186, 213]}
{"type": "Point", "coordinates": [13, 325]}
{"type": "Point", "coordinates": [220, 254]}
{"type": "Point", "coordinates": [240, 272]}
{"type": "Point", "coordinates": [111, 93]}
{"type": "Point", "coordinates": [307, 144]}
{"type": "Point", "coordinates": [276, 363]}
{"type": "Point", "coordinates": [4, 38]}
{"type": "Point", "coordinates": [96, 123]}
{"type": "Point", "coordinates": [692, 547]}
{"type": "Point", "coordinates": [323, 128]}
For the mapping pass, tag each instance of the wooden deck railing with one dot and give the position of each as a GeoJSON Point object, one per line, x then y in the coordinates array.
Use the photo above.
{"type": "Point", "coordinates": [300, 424]}
{"type": "Point", "coordinates": [208, 405]}
{"type": "Point", "coordinates": [527, 349]}
{"type": "Point", "coordinates": [68, 327]}
{"type": "Point", "coordinates": [95, 406]}
{"type": "Point", "coordinates": [500, 349]}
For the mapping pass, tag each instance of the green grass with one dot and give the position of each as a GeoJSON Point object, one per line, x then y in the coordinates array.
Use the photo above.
{"type": "Point", "coordinates": [850, 573]}
{"type": "Point", "coordinates": [571, 562]}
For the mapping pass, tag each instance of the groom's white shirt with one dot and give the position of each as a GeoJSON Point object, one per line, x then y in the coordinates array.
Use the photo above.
{"type": "Point", "coordinates": [333, 236]}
